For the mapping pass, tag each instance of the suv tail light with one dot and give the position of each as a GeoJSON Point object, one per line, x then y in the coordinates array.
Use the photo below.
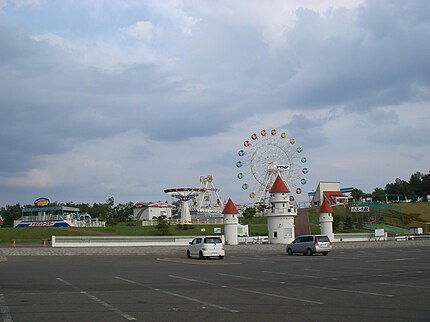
{"type": "Point", "coordinates": [315, 243]}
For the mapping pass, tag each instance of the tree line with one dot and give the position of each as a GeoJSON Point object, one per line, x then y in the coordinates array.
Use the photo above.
{"type": "Point", "coordinates": [416, 189]}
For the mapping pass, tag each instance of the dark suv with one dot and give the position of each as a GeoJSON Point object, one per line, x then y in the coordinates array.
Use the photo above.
{"type": "Point", "coordinates": [309, 245]}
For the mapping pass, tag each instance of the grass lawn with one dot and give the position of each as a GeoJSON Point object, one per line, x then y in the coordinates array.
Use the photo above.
{"type": "Point", "coordinates": [36, 235]}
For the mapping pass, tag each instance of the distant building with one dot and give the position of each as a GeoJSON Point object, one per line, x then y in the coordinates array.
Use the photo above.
{"type": "Point", "coordinates": [149, 211]}
{"type": "Point", "coordinates": [329, 191]}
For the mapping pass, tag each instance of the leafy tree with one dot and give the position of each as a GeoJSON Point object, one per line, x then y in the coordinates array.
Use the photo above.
{"type": "Point", "coordinates": [426, 186]}
{"type": "Point", "coordinates": [249, 213]}
{"type": "Point", "coordinates": [420, 184]}
{"type": "Point", "coordinates": [11, 213]}
{"type": "Point", "coordinates": [357, 194]}
{"type": "Point", "coordinates": [99, 211]}
{"type": "Point", "coordinates": [379, 194]}
{"type": "Point", "coordinates": [399, 187]}
{"type": "Point", "coordinates": [122, 212]}
{"type": "Point", "coordinates": [163, 225]}
{"type": "Point", "coordinates": [416, 181]}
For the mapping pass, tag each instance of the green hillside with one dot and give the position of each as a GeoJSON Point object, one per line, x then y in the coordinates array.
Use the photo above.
{"type": "Point", "coordinates": [395, 218]}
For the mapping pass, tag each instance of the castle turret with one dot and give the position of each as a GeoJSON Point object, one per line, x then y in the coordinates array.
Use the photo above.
{"type": "Point", "coordinates": [326, 220]}
{"type": "Point", "coordinates": [280, 218]}
{"type": "Point", "coordinates": [230, 223]}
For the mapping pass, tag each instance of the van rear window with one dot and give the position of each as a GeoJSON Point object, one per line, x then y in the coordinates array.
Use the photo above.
{"type": "Point", "coordinates": [213, 240]}
{"type": "Point", "coordinates": [322, 239]}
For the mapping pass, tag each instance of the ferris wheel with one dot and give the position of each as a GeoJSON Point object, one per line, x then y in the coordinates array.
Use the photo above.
{"type": "Point", "coordinates": [265, 156]}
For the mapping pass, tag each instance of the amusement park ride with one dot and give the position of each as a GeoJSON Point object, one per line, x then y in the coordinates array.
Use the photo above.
{"type": "Point", "coordinates": [184, 195]}
{"type": "Point", "coordinates": [205, 200]}
{"type": "Point", "coordinates": [267, 155]}
{"type": "Point", "coordinates": [209, 201]}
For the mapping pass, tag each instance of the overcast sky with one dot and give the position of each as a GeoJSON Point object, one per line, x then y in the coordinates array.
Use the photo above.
{"type": "Point", "coordinates": [128, 98]}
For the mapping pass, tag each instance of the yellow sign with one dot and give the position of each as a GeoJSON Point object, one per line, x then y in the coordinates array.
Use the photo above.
{"type": "Point", "coordinates": [41, 202]}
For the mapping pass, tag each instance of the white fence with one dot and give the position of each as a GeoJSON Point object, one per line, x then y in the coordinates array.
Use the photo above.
{"type": "Point", "coordinates": [128, 241]}
{"type": "Point", "coordinates": [357, 237]}
{"type": "Point", "coordinates": [206, 221]}
{"type": "Point", "coordinates": [119, 241]}
{"type": "Point", "coordinates": [253, 240]}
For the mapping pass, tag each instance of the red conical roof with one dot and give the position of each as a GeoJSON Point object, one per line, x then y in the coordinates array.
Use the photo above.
{"type": "Point", "coordinates": [230, 208]}
{"type": "Point", "coordinates": [279, 186]}
{"type": "Point", "coordinates": [325, 207]}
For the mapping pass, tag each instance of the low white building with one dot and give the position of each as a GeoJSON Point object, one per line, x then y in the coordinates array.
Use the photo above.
{"type": "Point", "coordinates": [150, 211]}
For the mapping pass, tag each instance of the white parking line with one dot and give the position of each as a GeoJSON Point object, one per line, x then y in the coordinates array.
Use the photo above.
{"type": "Point", "coordinates": [351, 291]}
{"type": "Point", "coordinates": [403, 285]}
{"type": "Point", "coordinates": [290, 274]}
{"type": "Point", "coordinates": [4, 309]}
{"type": "Point", "coordinates": [197, 261]}
{"type": "Point", "coordinates": [389, 260]}
{"type": "Point", "coordinates": [249, 291]}
{"type": "Point", "coordinates": [363, 268]}
{"type": "Point", "coordinates": [250, 278]}
{"type": "Point", "coordinates": [97, 300]}
{"type": "Point", "coordinates": [179, 295]}
{"type": "Point", "coordinates": [331, 271]}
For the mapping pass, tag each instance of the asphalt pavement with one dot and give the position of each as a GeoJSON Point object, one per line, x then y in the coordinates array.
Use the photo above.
{"type": "Point", "coordinates": [353, 283]}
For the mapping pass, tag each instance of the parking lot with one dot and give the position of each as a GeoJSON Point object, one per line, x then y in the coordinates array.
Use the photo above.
{"type": "Point", "coordinates": [346, 285]}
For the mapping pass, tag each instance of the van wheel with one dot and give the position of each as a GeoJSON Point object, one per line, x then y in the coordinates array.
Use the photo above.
{"type": "Point", "coordinates": [325, 253]}
{"type": "Point", "coordinates": [289, 251]}
{"type": "Point", "coordinates": [308, 252]}
{"type": "Point", "coordinates": [201, 255]}
{"type": "Point", "coordinates": [221, 257]}
{"type": "Point", "coordinates": [188, 254]}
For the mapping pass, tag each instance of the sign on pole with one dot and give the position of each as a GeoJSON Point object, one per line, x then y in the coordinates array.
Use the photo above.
{"type": "Point", "coordinates": [360, 209]}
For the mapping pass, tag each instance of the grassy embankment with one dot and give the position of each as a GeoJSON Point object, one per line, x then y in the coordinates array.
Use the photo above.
{"type": "Point", "coordinates": [396, 220]}
{"type": "Point", "coordinates": [407, 214]}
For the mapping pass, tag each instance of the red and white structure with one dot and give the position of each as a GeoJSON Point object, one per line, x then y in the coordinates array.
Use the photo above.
{"type": "Point", "coordinates": [230, 223]}
{"type": "Point", "coordinates": [330, 191]}
{"type": "Point", "coordinates": [280, 217]}
{"type": "Point", "coordinates": [326, 220]}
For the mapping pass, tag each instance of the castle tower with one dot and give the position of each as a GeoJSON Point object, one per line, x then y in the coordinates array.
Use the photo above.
{"type": "Point", "coordinates": [280, 218]}
{"type": "Point", "coordinates": [326, 220]}
{"type": "Point", "coordinates": [230, 223]}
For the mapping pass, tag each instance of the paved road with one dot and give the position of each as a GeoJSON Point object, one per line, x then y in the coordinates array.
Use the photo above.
{"type": "Point", "coordinates": [373, 284]}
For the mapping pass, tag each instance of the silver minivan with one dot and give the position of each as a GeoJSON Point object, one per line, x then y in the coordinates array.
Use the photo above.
{"type": "Point", "coordinates": [309, 245]}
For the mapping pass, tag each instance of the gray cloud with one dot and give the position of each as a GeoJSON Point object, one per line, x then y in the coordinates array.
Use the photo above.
{"type": "Point", "coordinates": [202, 83]}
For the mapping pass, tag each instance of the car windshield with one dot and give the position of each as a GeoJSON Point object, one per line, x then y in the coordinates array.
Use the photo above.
{"type": "Point", "coordinates": [213, 240]}
{"type": "Point", "coordinates": [322, 239]}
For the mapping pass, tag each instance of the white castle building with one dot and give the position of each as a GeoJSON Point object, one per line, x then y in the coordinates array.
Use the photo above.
{"type": "Point", "coordinates": [326, 220]}
{"type": "Point", "coordinates": [280, 218]}
{"type": "Point", "coordinates": [230, 223]}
